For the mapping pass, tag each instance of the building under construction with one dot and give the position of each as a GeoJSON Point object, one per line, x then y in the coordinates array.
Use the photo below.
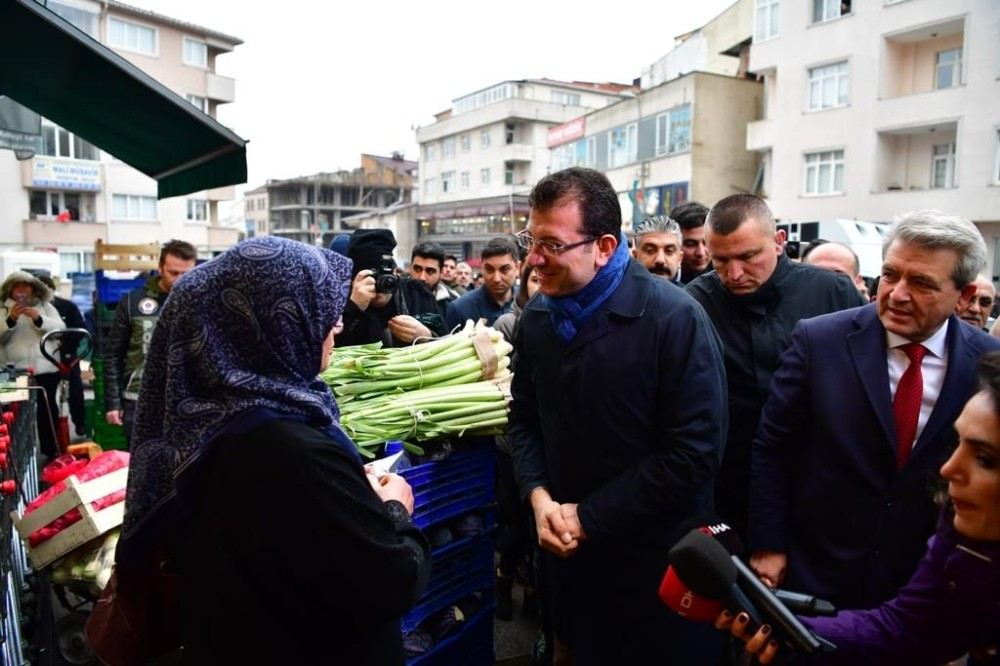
{"type": "Point", "coordinates": [312, 209]}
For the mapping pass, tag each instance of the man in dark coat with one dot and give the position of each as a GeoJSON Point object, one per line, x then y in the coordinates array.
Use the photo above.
{"type": "Point", "coordinates": [860, 420]}
{"type": "Point", "coordinates": [616, 427]}
{"type": "Point", "coordinates": [754, 298]}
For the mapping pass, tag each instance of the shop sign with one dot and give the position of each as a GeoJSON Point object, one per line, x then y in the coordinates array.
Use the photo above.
{"type": "Point", "coordinates": [61, 174]}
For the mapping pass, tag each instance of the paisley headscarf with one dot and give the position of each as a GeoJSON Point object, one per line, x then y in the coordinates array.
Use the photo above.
{"type": "Point", "coordinates": [239, 333]}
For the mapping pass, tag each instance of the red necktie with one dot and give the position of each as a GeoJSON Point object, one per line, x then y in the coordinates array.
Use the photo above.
{"type": "Point", "coordinates": [906, 404]}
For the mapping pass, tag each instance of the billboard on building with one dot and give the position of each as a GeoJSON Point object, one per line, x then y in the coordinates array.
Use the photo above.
{"type": "Point", "coordinates": [66, 174]}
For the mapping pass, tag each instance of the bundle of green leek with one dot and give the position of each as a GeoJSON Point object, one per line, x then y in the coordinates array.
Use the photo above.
{"type": "Point", "coordinates": [470, 355]}
{"type": "Point", "coordinates": [454, 386]}
{"type": "Point", "coordinates": [442, 411]}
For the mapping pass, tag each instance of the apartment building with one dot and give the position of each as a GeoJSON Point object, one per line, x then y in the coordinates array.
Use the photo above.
{"type": "Point", "coordinates": [315, 208]}
{"type": "Point", "coordinates": [71, 194]}
{"type": "Point", "coordinates": [683, 137]}
{"type": "Point", "coordinates": [681, 140]}
{"type": "Point", "coordinates": [481, 157]}
{"type": "Point", "coordinates": [876, 107]}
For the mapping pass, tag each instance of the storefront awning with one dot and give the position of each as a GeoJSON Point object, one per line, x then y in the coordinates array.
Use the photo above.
{"type": "Point", "coordinates": [49, 66]}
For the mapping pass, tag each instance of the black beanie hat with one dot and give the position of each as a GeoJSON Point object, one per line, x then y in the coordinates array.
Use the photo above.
{"type": "Point", "coordinates": [368, 246]}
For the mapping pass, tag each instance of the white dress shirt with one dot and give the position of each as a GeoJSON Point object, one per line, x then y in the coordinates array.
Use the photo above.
{"type": "Point", "coordinates": [932, 369]}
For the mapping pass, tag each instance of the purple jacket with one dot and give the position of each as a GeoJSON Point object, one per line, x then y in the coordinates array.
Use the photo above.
{"type": "Point", "coordinates": [949, 606]}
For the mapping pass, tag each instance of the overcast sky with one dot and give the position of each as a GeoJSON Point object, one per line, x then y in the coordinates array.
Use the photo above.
{"type": "Point", "coordinates": [318, 83]}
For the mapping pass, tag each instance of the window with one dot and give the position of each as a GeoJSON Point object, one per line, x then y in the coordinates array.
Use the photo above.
{"type": "Point", "coordinates": [195, 52]}
{"type": "Point", "coordinates": [464, 180]}
{"type": "Point", "coordinates": [58, 142]}
{"type": "Point", "coordinates": [766, 20]}
{"type": "Point", "coordinates": [565, 98]}
{"type": "Point", "coordinates": [509, 133]}
{"type": "Point", "coordinates": [447, 182]}
{"type": "Point", "coordinates": [825, 172]}
{"type": "Point", "coordinates": [197, 210]}
{"type": "Point", "coordinates": [673, 130]}
{"type": "Point", "coordinates": [48, 205]}
{"type": "Point", "coordinates": [562, 156]}
{"type": "Point", "coordinates": [80, 18]}
{"type": "Point", "coordinates": [948, 69]}
{"type": "Point", "coordinates": [508, 173]}
{"type": "Point", "coordinates": [76, 262]}
{"type": "Point", "coordinates": [448, 147]}
{"type": "Point", "coordinates": [131, 36]}
{"type": "Point", "coordinates": [465, 143]}
{"type": "Point", "coordinates": [621, 146]}
{"type": "Point", "coordinates": [484, 139]}
{"type": "Point", "coordinates": [429, 186]}
{"type": "Point", "coordinates": [133, 207]}
{"type": "Point", "coordinates": [430, 154]}
{"type": "Point", "coordinates": [591, 156]}
{"type": "Point", "coordinates": [200, 103]}
{"type": "Point", "coordinates": [943, 166]}
{"type": "Point", "coordinates": [827, 10]}
{"type": "Point", "coordinates": [484, 176]}
{"type": "Point", "coordinates": [828, 86]}
{"type": "Point", "coordinates": [484, 97]}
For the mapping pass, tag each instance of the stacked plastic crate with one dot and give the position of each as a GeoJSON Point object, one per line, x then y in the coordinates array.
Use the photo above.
{"type": "Point", "coordinates": [452, 623]}
{"type": "Point", "coordinates": [119, 271]}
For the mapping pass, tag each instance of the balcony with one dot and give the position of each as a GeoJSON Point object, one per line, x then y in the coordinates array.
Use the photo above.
{"type": "Point", "coordinates": [227, 193]}
{"type": "Point", "coordinates": [917, 159]}
{"type": "Point", "coordinates": [49, 233]}
{"type": "Point", "coordinates": [222, 238]}
{"type": "Point", "coordinates": [220, 88]}
{"type": "Point", "coordinates": [922, 60]}
{"type": "Point", "coordinates": [518, 152]}
{"type": "Point", "coordinates": [760, 135]}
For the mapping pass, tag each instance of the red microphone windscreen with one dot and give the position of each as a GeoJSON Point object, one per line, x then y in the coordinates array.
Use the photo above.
{"type": "Point", "coordinates": [679, 597]}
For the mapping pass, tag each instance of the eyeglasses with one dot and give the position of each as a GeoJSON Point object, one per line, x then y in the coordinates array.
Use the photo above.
{"type": "Point", "coordinates": [528, 242]}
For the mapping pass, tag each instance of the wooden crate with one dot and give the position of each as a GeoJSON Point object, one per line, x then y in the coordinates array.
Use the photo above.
{"type": "Point", "coordinates": [143, 257]}
{"type": "Point", "coordinates": [92, 523]}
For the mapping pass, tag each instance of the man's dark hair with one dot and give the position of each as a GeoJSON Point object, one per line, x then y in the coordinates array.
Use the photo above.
{"type": "Point", "coordinates": [499, 246]}
{"type": "Point", "coordinates": [728, 214]}
{"type": "Point", "coordinates": [178, 248]}
{"type": "Point", "coordinates": [591, 190]}
{"type": "Point", "coordinates": [450, 257]}
{"type": "Point", "coordinates": [689, 214]}
{"type": "Point", "coordinates": [429, 250]}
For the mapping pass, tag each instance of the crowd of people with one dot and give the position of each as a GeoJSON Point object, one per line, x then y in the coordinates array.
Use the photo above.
{"type": "Point", "coordinates": [693, 372]}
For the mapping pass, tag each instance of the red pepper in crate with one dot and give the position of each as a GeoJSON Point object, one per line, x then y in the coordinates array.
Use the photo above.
{"type": "Point", "coordinates": [107, 462]}
{"type": "Point", "coordinates": [61, 467]}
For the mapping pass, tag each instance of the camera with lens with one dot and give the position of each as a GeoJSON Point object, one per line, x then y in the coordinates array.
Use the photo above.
{"type": "Point", "coordinates": [386, 280]}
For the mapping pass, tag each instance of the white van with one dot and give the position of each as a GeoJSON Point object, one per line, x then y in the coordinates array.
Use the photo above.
{"type": "Point", "coordinates": [19, 260]}
{"type": "Point", "coordinates": [865, 238]}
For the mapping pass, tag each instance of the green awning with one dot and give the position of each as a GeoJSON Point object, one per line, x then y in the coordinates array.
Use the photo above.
{"type": "Point", "coordinates": [49, 66]}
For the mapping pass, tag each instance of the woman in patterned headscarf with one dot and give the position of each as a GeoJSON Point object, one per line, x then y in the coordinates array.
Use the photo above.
{"type": "Point", "coordinates": [240, 473]}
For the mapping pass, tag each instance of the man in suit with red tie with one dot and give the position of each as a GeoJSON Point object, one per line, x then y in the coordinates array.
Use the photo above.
{"type": "Point", "coordinates": [859, 420]}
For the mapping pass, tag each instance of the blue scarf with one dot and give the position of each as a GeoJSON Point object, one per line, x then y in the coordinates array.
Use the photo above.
{"type": "Point", "coordinates": [570, 313]}
{"type": "Point", "coordinates": [242, 333]}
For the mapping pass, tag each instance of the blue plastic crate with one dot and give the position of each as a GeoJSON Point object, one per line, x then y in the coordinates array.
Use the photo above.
{"type": "Point", "coordinates": [450, 487]}
{"type": "Point", "coordinates": [463, 571]}
{"type": "Point", "coordinates": [111, 289]}
{"type": "Point", "coordinates": [472, 646]}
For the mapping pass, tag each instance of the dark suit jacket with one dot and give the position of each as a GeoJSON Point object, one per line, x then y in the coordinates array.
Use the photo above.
{"type": "Point", "coordinates": [824, 484]}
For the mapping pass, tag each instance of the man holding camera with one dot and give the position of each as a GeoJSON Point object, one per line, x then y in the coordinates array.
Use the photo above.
{"type": "Point", "coordinates": [383, 306]}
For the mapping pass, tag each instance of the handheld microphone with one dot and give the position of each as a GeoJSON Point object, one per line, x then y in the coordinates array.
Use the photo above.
{"type": "Point", "coordinates": [707, 569]}
{"type": "Point", "coordinates": [796, 602]}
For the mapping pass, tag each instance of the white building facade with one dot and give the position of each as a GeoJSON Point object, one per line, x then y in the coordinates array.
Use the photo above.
{"type": "Point", "coordinates": [71, 194]}
{"type": "Point", "coordinates": [876, 107]}
{"type": "Point", "coordinates": [480, 158]}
